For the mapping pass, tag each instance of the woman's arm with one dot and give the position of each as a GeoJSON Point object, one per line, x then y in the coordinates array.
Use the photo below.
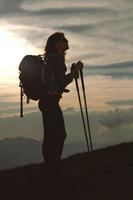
{"type": "Point", "coordinates": [57, 65]}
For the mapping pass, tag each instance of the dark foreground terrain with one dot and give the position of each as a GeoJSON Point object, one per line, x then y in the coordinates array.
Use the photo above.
{"type": "Point", "coordinates": [104, 174]}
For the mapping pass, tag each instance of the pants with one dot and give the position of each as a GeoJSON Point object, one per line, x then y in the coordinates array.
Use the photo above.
{"type": "Point", "coordinates": [54, 129]}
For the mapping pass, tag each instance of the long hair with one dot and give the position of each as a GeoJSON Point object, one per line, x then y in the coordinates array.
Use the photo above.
{"type": "Point", "coordinates": [51, 41]}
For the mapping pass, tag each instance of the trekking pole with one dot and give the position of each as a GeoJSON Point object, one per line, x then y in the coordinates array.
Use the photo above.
{"type": "Point", "coordinates": [21, 101]}
{"type": "Point", "coordinates": [81, 109]}
{"type": "Point", "coordinates": [86, 109]}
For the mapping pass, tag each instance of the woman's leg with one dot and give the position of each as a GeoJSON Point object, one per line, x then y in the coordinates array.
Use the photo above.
{"type": "Point", "coordinates": [54, 133]}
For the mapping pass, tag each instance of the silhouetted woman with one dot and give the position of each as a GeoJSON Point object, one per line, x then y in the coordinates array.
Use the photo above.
{"type": "Point", "coordinates": [53, 121]}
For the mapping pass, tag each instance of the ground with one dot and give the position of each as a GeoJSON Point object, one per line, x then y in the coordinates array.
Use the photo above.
{"type": "Point", "coordinates": [103, 174]}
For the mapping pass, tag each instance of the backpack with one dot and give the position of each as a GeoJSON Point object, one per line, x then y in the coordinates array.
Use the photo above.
{"type": "Point", "coordinates": [32, 81]}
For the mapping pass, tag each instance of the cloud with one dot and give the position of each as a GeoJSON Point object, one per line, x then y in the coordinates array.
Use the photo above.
{"type": "Point", "coordinates": [120, 102]}
{"type": "Point", "coordinates": [16, 7]}
{"type": "Point", "coordinates": [112, 127]}
{"type": "Point", "coordinates": [75, 10]}
{"type": "Point", "coordinates": [94, 30]}
{"type": "Point", "coordinates": [101, 24]}
{"type": "Point", "coordinates": [116, 70]}
{"type": "Point", "coordinates": [10, 107]}
{"type": "Point", "coordinates": [7, 104]}
{"type": "Point", "coordinates": [69, 110]}
{"type": "Point", "coordinates": [8, 7]}
{"type": "Point", "coordinates": [3, 97]}
{"type": "Point", "coordinates": [114, 119]}
{"type": "Point", "coordinates": [29, 126]}
{"type": "Point", "coordinates": [107, 128]}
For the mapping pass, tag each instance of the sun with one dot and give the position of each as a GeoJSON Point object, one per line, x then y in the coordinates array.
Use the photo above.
{"type": "Point", "coordinates": [12, 50]}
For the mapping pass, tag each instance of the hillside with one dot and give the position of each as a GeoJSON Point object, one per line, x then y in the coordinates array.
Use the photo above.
{"type": "Point", "coordinates": [104, 174]}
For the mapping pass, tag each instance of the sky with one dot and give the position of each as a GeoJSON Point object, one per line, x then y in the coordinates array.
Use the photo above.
{"type": "Point", "coordinates": [100, 35]}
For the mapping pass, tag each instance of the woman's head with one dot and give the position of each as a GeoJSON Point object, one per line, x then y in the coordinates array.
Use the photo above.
{"type": "Point", "coordinates": [56, 43]}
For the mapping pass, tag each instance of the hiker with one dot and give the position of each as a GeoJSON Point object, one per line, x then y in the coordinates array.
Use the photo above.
{"type": "Point", "coordinates": [53, 121]}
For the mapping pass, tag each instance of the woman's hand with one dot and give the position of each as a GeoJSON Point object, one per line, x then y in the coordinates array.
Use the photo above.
{"type": "Point", "coordinates": [74, 71]}
{"type": "Point", "coordinates": [79, 65]}
{"type": "Point", "coordinates": [76, 67]}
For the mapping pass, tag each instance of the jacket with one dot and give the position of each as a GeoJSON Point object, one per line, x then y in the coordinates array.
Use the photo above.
{"type": "Point", "coordinates": [56, 76]}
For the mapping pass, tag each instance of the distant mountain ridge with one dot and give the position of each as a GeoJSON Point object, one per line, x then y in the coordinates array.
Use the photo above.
{"type": "Point", "coordinates": [19, 151]}
{"type": "Point", "coordinates": [22, 151]}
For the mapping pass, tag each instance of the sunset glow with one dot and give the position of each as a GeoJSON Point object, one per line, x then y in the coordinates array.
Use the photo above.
{"type": "Point", "coordinates": [12, 50]}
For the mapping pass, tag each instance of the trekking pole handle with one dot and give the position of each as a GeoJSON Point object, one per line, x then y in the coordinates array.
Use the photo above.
{"type": "Point", "coordinates": [74, 72]}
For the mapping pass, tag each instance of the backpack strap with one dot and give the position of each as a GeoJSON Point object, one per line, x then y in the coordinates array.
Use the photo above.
{"type": "Point", "coordinates": [44, 63]}
{"type": "Point", "coordinates": [21, 100]}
